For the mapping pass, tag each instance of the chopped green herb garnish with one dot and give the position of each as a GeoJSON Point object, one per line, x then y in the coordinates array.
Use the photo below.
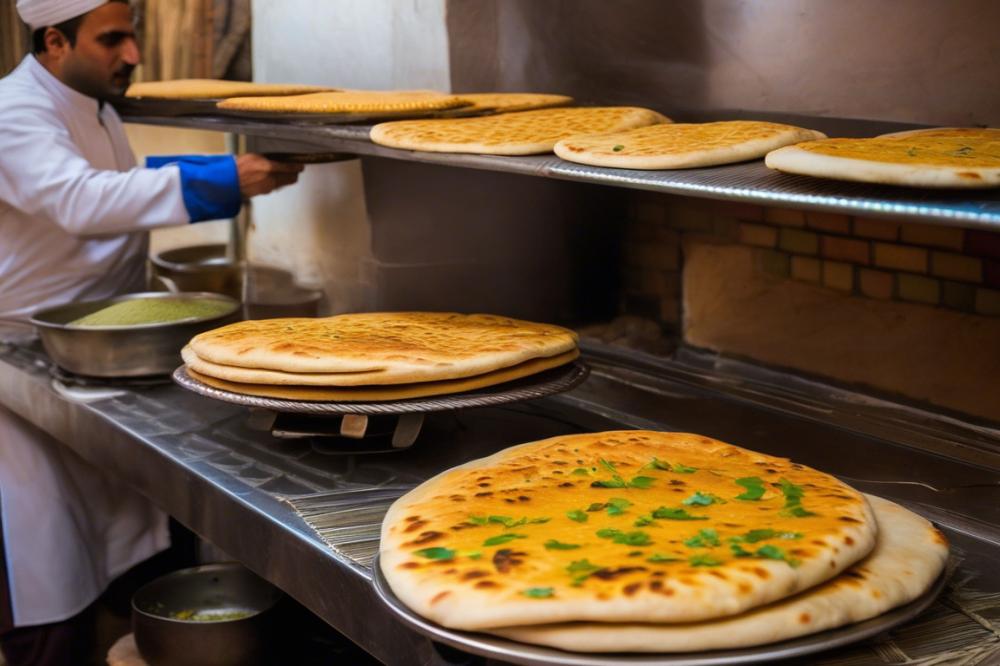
{"type": "Point", "coordinates": [704, 560]}
{"type": "Point", "coordinates": [753, 536]}
{"type": "Point", "coordinates": [478, 520]}
{"type": "Point", "coordinates": [582, 569]}
{"type": "Point", "coordinates": [552, 544]}
{"type": "Point", "coordinates": [656, 558]}
{"type": "Point", "coordinates": [793, 500]}
{"type": "Point", "coordinates": [797, 511]}
{"type": "Point", "coordinates": [471, 554]}
{"type": "Point", "coordinates": [606, 465]}
{"type": "Point", "coordinates": [538, 592]}
{"type": "Point", "coordinates": [642, 521]}
{"type": "Point", "coordinates": [506, 521]}
{"type": "Point", "coordinates": [754, 488]}
{"type": "Point", "coordinates": [539, 521]}
{"type": "Point", "coordinates": [703, 499]}
{"type": "Point", "coordinates": [580, 471]}
{"type": "Point", "coordinates": [503, 538]}
{"type": "Point", "coordinates": [616, 482]}
{"type": "Point", "coordinates": [637, 538]}
{"type": "Point", "coordinates": [683, 469]}
{"type": "Point", "coordinates": [618, 148]}
{"type": "Point", "coordinates": [775, 553]}
{"type": "Point", "coordinates": [706, 538]}
{"type": "Point", "coordinates": [596, 506]}
{"type": "Point", "coordinates": [641, 482]}
{"type": "Point", "coordinates": [616, 506]}
{"type": "Point", "coordinates": [437, 553]}
{"type": "Point", "coordinates": [577, 515]}
{"type": "Point", "coordinates": [667, 513]}
{"type": "Point", "coordinates": [656, 463]}
{"type": "Point", "coordinates": [739, 551]}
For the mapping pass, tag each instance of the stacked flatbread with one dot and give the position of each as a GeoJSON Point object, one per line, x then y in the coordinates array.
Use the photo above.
{"type": "Point", "coordinates": [520, 133]}
{"type": "Point", "coordinates": [683, 145]}
{"type": "Point", "coordinates": [944, 158]}
{"type": "Point", "coordinates": [643, 541]}
{"type": "Point", "coordinates": [216, 89]}
{"type": "Point", "coordinates": [348, 101]}
{"type": "Point", "coordinates": [374, 357]}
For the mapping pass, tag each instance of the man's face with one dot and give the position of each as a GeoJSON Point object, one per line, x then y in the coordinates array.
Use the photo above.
{"type": "Point", "coordinates": [101, 63]}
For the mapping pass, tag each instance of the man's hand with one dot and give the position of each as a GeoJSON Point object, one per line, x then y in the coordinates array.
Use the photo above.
{"type": "Point", "coordinates": [259, 175]}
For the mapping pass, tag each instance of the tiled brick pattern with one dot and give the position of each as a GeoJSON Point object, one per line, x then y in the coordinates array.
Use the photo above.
{"type": "Point", "coordinates": [884, 260]}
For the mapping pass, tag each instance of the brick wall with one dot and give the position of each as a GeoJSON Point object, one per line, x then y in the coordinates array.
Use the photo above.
{"type": "Point", "coordinates": [902, 307]}
{"type": "Point", "coordinates": [940, 266]}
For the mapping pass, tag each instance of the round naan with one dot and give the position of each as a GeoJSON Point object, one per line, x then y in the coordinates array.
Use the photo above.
{"type": "Point", "coordinates": [377, 348]}
{"type": "Point", "coordinates": [627, 526]}
{"type": "Point", "coordinates": [947, 160]}
{"type": "Point", "coordinates": [520, 133]}
{"type": "Point", "coordinates": [909, 555]}
{"type": "Point", "coordinates": [683, 145]}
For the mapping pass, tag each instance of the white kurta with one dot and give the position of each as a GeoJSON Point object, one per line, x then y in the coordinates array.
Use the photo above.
{"type": "Point", "coordinates": [74, 212]}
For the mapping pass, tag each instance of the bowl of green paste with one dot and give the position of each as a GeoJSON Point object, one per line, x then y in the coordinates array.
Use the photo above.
{"type": "Point", "coordinates": [135, 335]}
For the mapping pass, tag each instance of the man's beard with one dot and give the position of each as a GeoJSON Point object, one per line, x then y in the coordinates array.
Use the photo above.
{"type": "Point", "coordinates": [121, 80]}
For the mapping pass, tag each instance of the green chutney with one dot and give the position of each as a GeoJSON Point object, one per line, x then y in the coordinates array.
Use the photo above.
{"type": "Point", "coordinates": [154, 311]}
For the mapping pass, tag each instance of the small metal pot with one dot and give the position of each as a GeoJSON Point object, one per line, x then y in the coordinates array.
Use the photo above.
{"type": "Point", "coordinates": [198, 268]}
{"type": "Point", "coordinates": [165, 640]}
{"type": "Point", "coordinates": [122, 351]}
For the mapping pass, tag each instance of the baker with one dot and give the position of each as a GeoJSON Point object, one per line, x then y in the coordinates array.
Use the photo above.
{"type": "Point", "coordinates": [75, 212]}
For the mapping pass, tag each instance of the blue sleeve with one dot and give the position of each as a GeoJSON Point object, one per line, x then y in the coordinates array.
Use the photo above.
{"type": "Point", "coordinates": [210, 184]}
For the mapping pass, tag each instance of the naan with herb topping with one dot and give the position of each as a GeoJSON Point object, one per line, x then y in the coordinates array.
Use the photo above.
{"type": "Point", "coordinates": [909, 555]}
{"type": "Point", "coordinates": [942, 158]}
{"type": "Point", "coordinates": [622, 526]}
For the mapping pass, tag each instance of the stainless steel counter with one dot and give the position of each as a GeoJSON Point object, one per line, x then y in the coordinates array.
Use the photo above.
{"type": "Point", "coordinates": [750, 182]}
{"type": "Point", "coordinates": [210, 465]}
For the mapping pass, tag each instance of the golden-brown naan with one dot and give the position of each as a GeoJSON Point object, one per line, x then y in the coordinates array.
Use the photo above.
{"type": "Point", "coordinates": [909, 555]}
{"type": "Point", "coordinates": [946, 160]}
{"type": "Point", "coordinates": [389, 347]}
{"type": "Point", "coordinates": [626, 526]}
{"type": "Point", "coordinates": [520, 133]}
{"type": "Point", "coordinates": [215, 89]}
{"type": "Point", "coordinates": [507, 102]}
{"type": "Point", "coordinates": [347, 101]}
{"type": "Point", "coordinates": [682, 145]}
{"type": "Point", "coordinates": [388, 393]}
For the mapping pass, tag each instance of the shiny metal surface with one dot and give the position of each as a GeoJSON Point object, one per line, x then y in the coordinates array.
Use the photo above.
{"type": "Point", "coordinates": [122, 351]}
{"type": "Point", "coordinates": [544, 383]}
{"type": "Point", "coordinates": [750, 182]}
{"type": "Point", "coordinates": [164, 638]}
{"type": "Point", "coordinates": [219, 471]}
{"type": "Point", "coordinates": [536, 655]}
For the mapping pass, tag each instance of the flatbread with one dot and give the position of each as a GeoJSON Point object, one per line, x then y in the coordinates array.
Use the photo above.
{"type": "Point", "coordinates": [952, 161]}
{"type": "Point", "coordinates": [908, 557]}
{"type": "Point", "coordinates": [402, 347]}
{"type": "Point", "coordinates": [520, 133]}
{"type": "Point", "coordinates": [683, 145]}
{"type": "Point", "coordinates": [507, 102]}
{"type": "Point", "coordinates": [491, 543]}
{"type": "Point", "coordinates": [348, 101]}
{"type": "Point", "coordinates": [215, 89]}
{"type": "Point", "coordinates": [390, 393]}
{"type": "Point", "coordinates": [960, 132]}
{"type": "Point", "coordinates": [325, 379]}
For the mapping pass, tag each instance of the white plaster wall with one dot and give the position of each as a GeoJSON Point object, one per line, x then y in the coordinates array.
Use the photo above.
{"type": "Point", "coordinates": [319, 228]}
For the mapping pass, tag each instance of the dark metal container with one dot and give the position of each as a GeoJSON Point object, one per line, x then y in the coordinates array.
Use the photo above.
{"type": "Point", "coordinates": [122, 351]}
{"type": "Point", "coordinates": [165, 640]}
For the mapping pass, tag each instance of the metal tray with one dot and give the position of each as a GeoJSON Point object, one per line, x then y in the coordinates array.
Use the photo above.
{"type": "Point", "coordinates": [537, 655]}
{"type": "Point", "coordinates": [548, 382]}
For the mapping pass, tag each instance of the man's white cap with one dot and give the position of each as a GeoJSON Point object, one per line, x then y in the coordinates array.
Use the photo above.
{"type": "Point", "coordinates": [41, 13]}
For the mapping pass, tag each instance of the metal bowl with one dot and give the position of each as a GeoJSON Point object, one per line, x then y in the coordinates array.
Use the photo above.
{"type": "Point", "coordinates": [198, 268]}
{"type": "Point", "coordinates": [165, 640]}
{"type": "Point", "coordinates": [122, 351]}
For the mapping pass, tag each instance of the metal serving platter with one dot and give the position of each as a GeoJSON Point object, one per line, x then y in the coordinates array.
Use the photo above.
{"type": "Point", "coordinates": [537, 655]}
{"type": "Point", "coordinates": [548, 382]}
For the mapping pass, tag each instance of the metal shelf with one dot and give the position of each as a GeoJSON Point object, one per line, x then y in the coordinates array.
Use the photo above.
{"type": "Point", "coordinates": [749, 182]}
